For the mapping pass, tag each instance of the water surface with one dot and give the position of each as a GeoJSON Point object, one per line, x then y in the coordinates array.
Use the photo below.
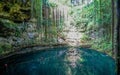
{"type": "Point", "coordinates": [60, 61]}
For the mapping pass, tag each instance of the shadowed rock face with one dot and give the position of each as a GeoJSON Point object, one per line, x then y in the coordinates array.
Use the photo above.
{"type": "Point", "coordinates": [60, 61]}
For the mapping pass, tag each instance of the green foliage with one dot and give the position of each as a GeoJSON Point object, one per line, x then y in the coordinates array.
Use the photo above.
{"type": "Point", "coordinates": [5, 47]}
{"type": "Point", "coordinates": [91, 25]}
{"type": "Point", "coordinates": [8, 28]}
{"type": "Point", "coordinates": [102, 45]}
{"type": "Point", "coordinates": [17, 14]}
{"type": "Point", "coordinates": [8, 24]}
{"type": "Point", "coordinates": [52, 3]}
{"type": "Point", "coordinates": [99, 11]}
{"type": "Point", "coordinates": [93, 16]}
{"type": "Point", "coordinates": [85, 38]}
{"type": "Point", "coordinates": [1, 7]}
{"type": "Point", "coordinates": [15, 8]}
{"type": "Point", "coordinates": [14, 11]}
{"type": "Point", "coordinates": [97, 16]}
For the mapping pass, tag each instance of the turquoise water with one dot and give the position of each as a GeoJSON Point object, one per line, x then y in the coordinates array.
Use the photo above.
{"type": "Point", "coordinates": [60, 61]}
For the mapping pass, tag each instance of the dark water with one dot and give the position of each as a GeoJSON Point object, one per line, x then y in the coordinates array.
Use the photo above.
{"type": "Point", "coordinates": [59, 61]}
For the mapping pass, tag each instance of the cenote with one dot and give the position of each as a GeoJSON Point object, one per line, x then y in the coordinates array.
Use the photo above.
{"type": "Point", "coordinates": [59, 61]}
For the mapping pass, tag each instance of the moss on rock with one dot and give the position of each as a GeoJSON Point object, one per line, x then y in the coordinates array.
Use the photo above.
{"type": "Point", "coordinates": [5, 47]}
{"type": "Point", "coordinates": [7, 28]}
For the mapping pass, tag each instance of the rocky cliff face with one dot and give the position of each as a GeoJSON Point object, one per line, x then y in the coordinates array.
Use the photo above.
{"type": "Point", "coordinates": [14, 35]}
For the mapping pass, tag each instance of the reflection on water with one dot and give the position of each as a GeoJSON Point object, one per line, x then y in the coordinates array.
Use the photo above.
{"type": "Point", "coordinates": [72, 55]}
{"type": "Point", "coordinates": [60, 61]}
